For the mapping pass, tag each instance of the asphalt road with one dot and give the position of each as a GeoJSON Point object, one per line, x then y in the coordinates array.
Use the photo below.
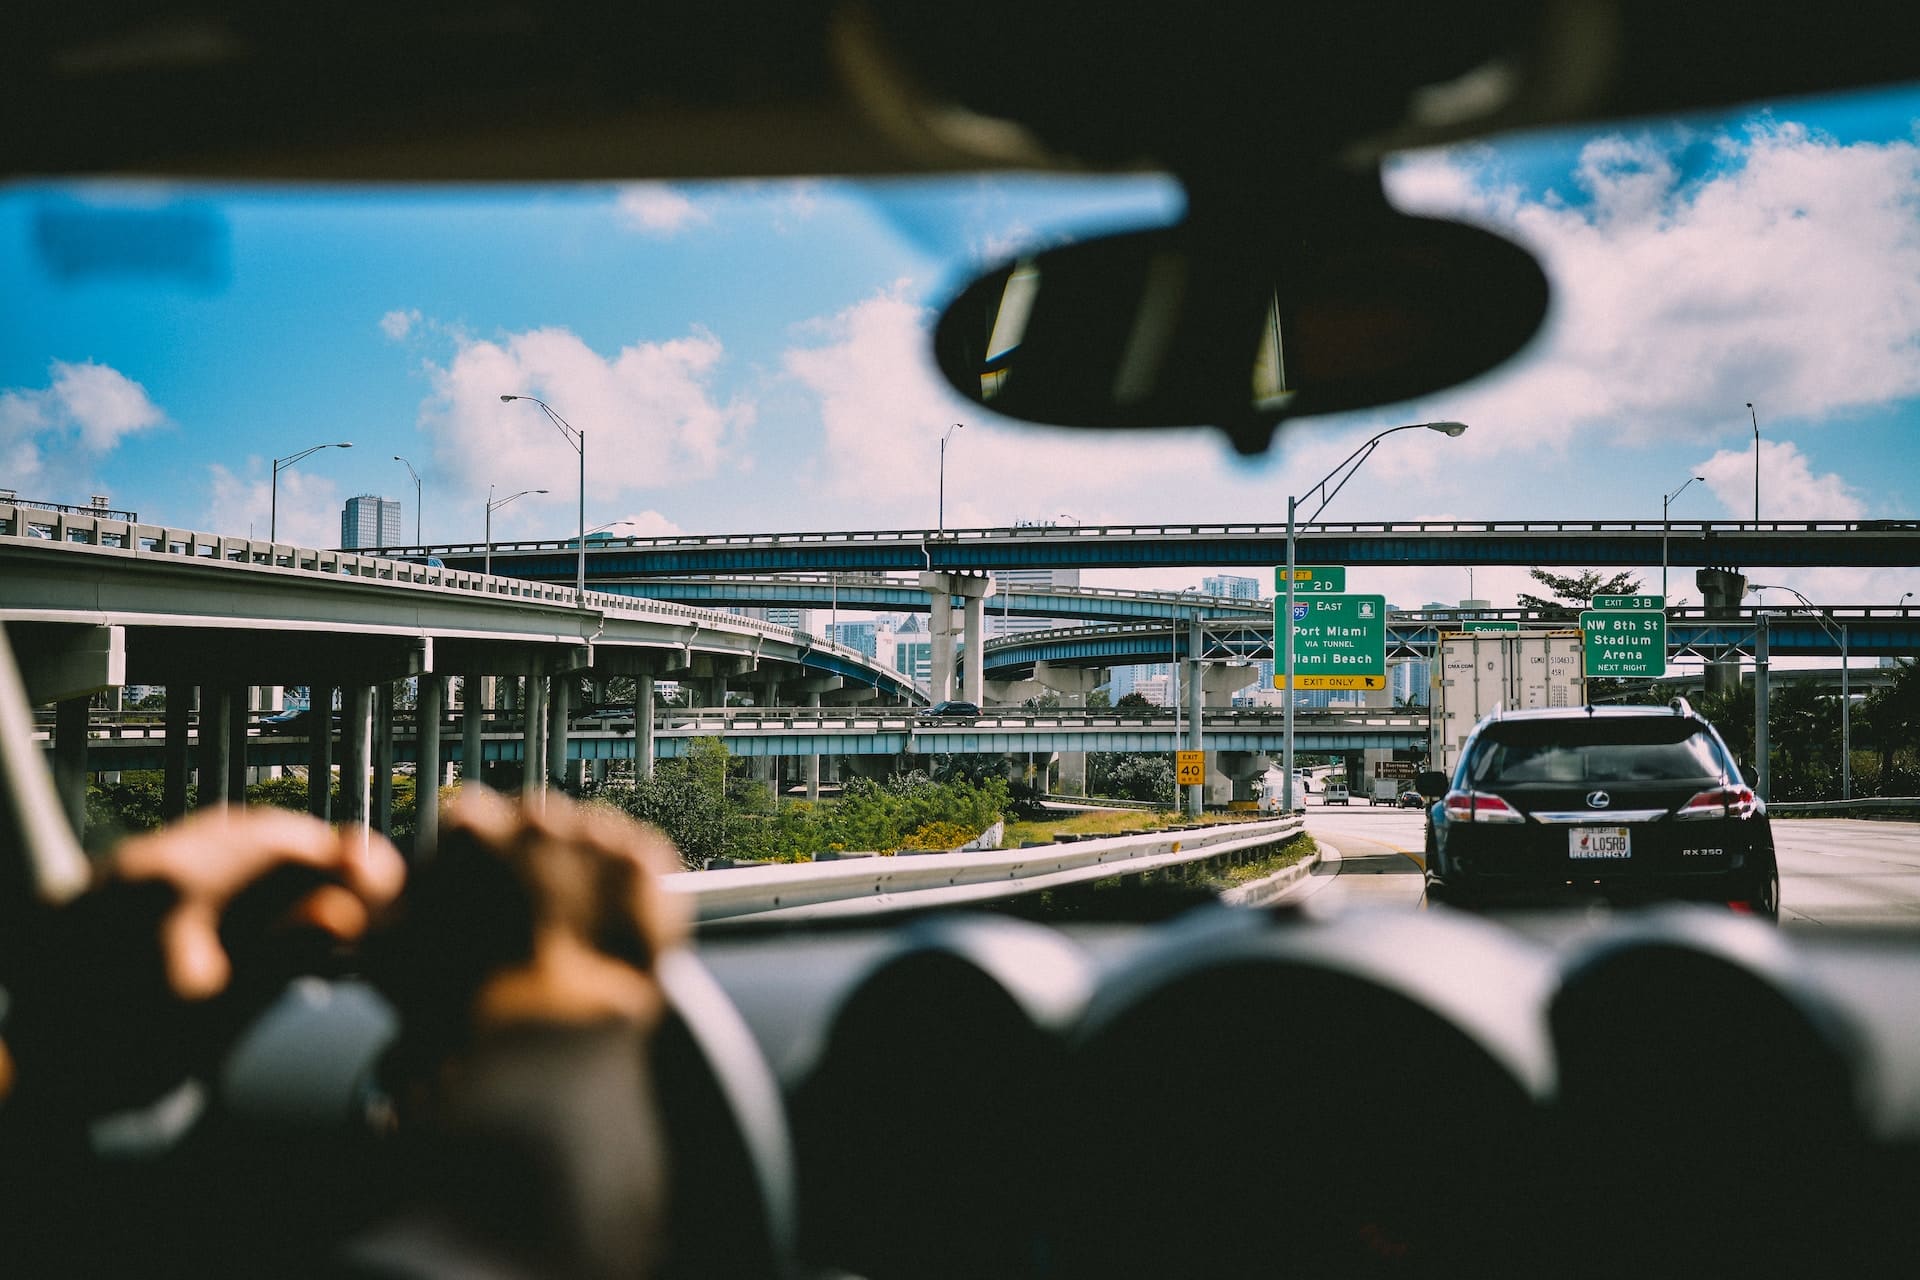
{"type": "Point", "coordinates": [1833, 871]}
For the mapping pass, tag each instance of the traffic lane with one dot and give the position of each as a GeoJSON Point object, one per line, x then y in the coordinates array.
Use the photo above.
{"type": "Point", "coordinates": [1847, 871]}
{"type": "Point", "coordinates": [1362, 866]}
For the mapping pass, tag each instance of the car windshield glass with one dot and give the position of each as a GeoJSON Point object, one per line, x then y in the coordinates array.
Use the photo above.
{"type": "Point", "coordinates": [1582, 752]}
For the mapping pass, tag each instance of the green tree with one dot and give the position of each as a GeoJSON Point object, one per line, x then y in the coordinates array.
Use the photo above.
{"type": "Point", "coordinates": [1569, 595]}
{"type": "Point", "coordinates": [1136, 702]}
{"type": "Point", "coordinates": [1099, 700]}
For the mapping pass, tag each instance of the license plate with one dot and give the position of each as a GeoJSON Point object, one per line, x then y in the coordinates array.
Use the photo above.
{"type": "Point", "coordinates": [1597, 843]}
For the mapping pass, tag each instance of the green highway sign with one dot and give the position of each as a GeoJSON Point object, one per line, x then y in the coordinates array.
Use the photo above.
{"type": "Point", "coordinates": [1488, 624]}
{"type": "Point", "coordinates": [1625, 643]}
{"type": "Point", "coordinates": [1317, 580]}
{"type": "Point", "coordinates": [1339, 642]}
{"type": "Point", "coordinates": [1629, 602]}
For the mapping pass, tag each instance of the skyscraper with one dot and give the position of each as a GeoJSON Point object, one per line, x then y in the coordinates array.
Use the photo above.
{"type": "Point", "coordinates": [370, 521]}
{"type": "Point", "coordinates": [1231, 586]}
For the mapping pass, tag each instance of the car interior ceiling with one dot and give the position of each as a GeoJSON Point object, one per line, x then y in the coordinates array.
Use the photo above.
{"type": "Point", "coordinates": [1227, 1093]}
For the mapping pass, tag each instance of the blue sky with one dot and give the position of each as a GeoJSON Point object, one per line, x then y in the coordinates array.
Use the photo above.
{"type": "Point", "coordinates": [751, 356]}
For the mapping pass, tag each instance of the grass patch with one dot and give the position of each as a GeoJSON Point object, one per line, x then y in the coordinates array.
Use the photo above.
{"type": "Point", "coordinates": [1295, 850]}
{"type": "Point", "coordinates": [1110, 824]}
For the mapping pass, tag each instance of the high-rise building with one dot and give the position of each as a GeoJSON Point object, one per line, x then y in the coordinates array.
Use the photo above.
{"type": "Point", "coordinates": [908, 649]}
{"type": "Point", "coordinates": [863, 636]}
{"type": "Point", "coordinates": [370, 521]}
{"type": "Point", "coordinates": [798, 619]}
{"type": "Point", "coordinates": [1232, 586]}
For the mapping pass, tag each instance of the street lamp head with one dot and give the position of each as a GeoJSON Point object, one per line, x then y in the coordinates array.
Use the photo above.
{"type": "Point", "coordinates": [1447, 428]}
{"type": "Point", "coordinates": [344, 444]}
{"type": "Point", "coordinates": [504, 399]}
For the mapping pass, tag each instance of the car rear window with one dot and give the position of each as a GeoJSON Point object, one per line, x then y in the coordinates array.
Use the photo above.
{"type": "Point", "coordinates": [1594, 751]}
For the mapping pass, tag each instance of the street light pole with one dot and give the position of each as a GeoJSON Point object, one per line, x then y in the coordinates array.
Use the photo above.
{"type": "Point", "coordinates": [578, 439]}
{"type": "Point", "coordinates": [416, 498]}
{"type": "Point", "coordinates": [1354, 461]}
{"type": "Point", "coordinates": [1665, 530]}
{"type": "Point", "coordinates": [1756, 461]}
{"type": "Point", "coordinates": [281, 464]}
{"type": "Point", "coordinates": [943, 474]}
{"type": "Point", "coordinates": [1846, 694]}
{"type": "Point", "coordinates": [492, 507]}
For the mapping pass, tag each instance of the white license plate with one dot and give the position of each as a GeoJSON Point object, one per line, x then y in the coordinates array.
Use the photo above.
{"type": "Point", "coordinates": [1597, 842]}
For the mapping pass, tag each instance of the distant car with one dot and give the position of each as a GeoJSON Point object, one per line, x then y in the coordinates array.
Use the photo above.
{"type": "Point", "coordinates": [293, 722]}
{"type": "Point", "coordinates": [1411, 800]}
{"type": "Point", "coordinates": [950, 711]}
{"type": "Point", "coordinates": [1631, 803]}
{"type": "Point", "coordinates": [1334, 792]}
{"type": "Point", "coordinates": [432, 562]}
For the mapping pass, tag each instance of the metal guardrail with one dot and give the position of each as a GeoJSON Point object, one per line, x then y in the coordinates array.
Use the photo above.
{"type": "Point", "coordinates": [1072, 533]}
{"type": "Point", "coordinates": [1861, 804]}
{"type": "Point", "coordinates": [878, 885]}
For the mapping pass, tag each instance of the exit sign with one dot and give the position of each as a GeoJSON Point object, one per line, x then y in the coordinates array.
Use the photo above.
{"type": "Point", "coordinates": [1629, 602]}
{"type": "Point", "coordinates": [1323, 578]}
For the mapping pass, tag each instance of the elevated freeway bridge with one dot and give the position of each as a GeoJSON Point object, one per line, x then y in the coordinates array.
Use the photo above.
{"type": "Point", "coordinates": [1613, 543]}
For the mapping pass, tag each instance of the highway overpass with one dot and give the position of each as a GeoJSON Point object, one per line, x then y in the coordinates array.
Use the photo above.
{"type": "Point", "coordinates": [1252, 547]}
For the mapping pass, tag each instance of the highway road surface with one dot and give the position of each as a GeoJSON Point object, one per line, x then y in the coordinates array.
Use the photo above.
{"type": "Point", "coordinates": [1833, 871]}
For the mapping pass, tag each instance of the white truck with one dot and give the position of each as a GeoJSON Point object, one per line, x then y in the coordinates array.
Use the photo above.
{"type": "Point", "coordinates": [1477, 672]}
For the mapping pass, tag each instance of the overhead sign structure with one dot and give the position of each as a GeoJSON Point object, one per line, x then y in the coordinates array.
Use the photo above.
{"type": "Point", "coordinates": [1488, 624]}
{"type": "Point", "coordinates": [1339, 642]}
{"type": "Point", "coordinates": [1630, 602]}
{"type": "Point", "coordinates": [1321, 579]}
{"type": "Point", "coordinates": [1624, 644]}
{"type": "Point", "coordinates": [1190, 768]}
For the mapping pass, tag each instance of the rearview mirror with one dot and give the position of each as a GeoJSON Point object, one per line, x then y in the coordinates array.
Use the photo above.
{"type": "Point", "coordinates": [1431, 785]}
{"type": "Point", "coordinates": [1246, 313]}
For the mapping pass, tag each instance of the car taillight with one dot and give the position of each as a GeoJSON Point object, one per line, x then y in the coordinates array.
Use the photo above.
{"type": "Point", "coordinates": [1720, 802]}
{"type": "Point", "coordinates": [1478, 806]}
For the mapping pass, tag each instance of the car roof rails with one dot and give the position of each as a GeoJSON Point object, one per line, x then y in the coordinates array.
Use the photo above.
{"type": "Point", "coordinates": [1680, 706]}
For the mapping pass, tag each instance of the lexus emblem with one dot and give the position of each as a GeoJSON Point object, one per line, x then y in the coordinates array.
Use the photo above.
{"type": "Point", "coordinates": [1598, 800]}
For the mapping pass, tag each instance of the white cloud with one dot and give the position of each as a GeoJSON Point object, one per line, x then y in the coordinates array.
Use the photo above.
{"type": "Point", "coordinates": [1788, 488]}
{"type": "Point", "coordinates": [308, 507]}
{"type": "Point", "coordinates": [657, 209]}
{"type": "Point", "coordinates": [884, 408]}
{"type": "Point", "coordinates": [398, 324]}
{"type": "Point", "coordinates": [649, 413]}
{"type": "Point", "coordinates": [646, 524]}
{"type": "Point", "coordinates": [1790, 276]}
{"type": "Point", "coordinates": [53, 435]}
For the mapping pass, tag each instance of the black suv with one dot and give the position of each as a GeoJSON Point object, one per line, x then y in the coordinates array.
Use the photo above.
{"type": "Point", "coordinates": [1632, 803]}
{"type": "Point", "coordinates": [950, 711]}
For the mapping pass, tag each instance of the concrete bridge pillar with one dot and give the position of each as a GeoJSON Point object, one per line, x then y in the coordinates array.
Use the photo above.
{"type": "Point", "coordinates": [1233, 774]}
{"type": "Point", "coordinates": [1722, 590]}
{"type": "Point", "coordinates": [356, 750]}
{"type": "Point", "coordinates": [642, 727]}
{"type": "Point", "coordinates": [973, 590]}
{"type": "Point", "coordinates": [559, 706]}
{"type": "Point", "coordinates": [380, 808]}
{"type": "Point", "coordinates": [174, 755]}
{"type": "Point", "coordinates": [70, 760]}
{"type": "Point", "coordinates": [320, 751]}
{"type": "Point", "coordinates": [216, 744]}
{"type": "Point", "coordinates": [533, 773]}
{"type": "Point", "coordinates": [473, 712]}
{"type": "Point", "coordinates": [428, 769]}
{"type": "Point", "coordinates": [1220, 682]}
{"type": "Point", "coordinates": [813, 761]}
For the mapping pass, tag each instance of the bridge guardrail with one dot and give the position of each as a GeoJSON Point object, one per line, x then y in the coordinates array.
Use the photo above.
{"type": "Point", "coordinates": [1860, 804]}
{"type": "Point", "coordinates": [877, 885]}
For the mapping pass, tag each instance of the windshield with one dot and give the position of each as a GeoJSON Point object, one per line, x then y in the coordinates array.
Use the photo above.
{"type": "Point", "coordinates": [470, 375]}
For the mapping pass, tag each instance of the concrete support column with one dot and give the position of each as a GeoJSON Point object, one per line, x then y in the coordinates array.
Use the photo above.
{"type": "Point", "coordinates": [320, 751]}
{"type": "Point", "coordinates": [473, 708]}
{"type": "Point", "coordinates": [973, 683]}
{"type": "Point", "coordinates": [356, 750]}
{"type": "Point", "coordinates": [239, 703]}
{"type": "Point", "coordinates": [973, 590]}
{"type": "Point", "coordinates": [216, 744]}
{"type": "Point", "coordinates": [380, 815]}
{"type": "Point", "coordinates": [642, 727]}
{"type": "Point", "coordinates": [70, 760]}
{"type": "Point", "coordinates": [1196, 709]}
{"type": "Point", "coordinates": [427, 768]}
{"type": "Point", "coordinates": [813, 761]}
{"type": "Point", "coordinates": [559, 705]}
{"type": "Point", "coordinates": [1721, 591]}
{"type": "Point", "coordinates": [717, 692]}
{"type": "Point", "coordinates": [174, 754]}
{"type": "Point", "coordinates": [533, 773]}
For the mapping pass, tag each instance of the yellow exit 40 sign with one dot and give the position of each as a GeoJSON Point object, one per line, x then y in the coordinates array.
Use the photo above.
{"type": "Point", "coordinates": [1190, 768]}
